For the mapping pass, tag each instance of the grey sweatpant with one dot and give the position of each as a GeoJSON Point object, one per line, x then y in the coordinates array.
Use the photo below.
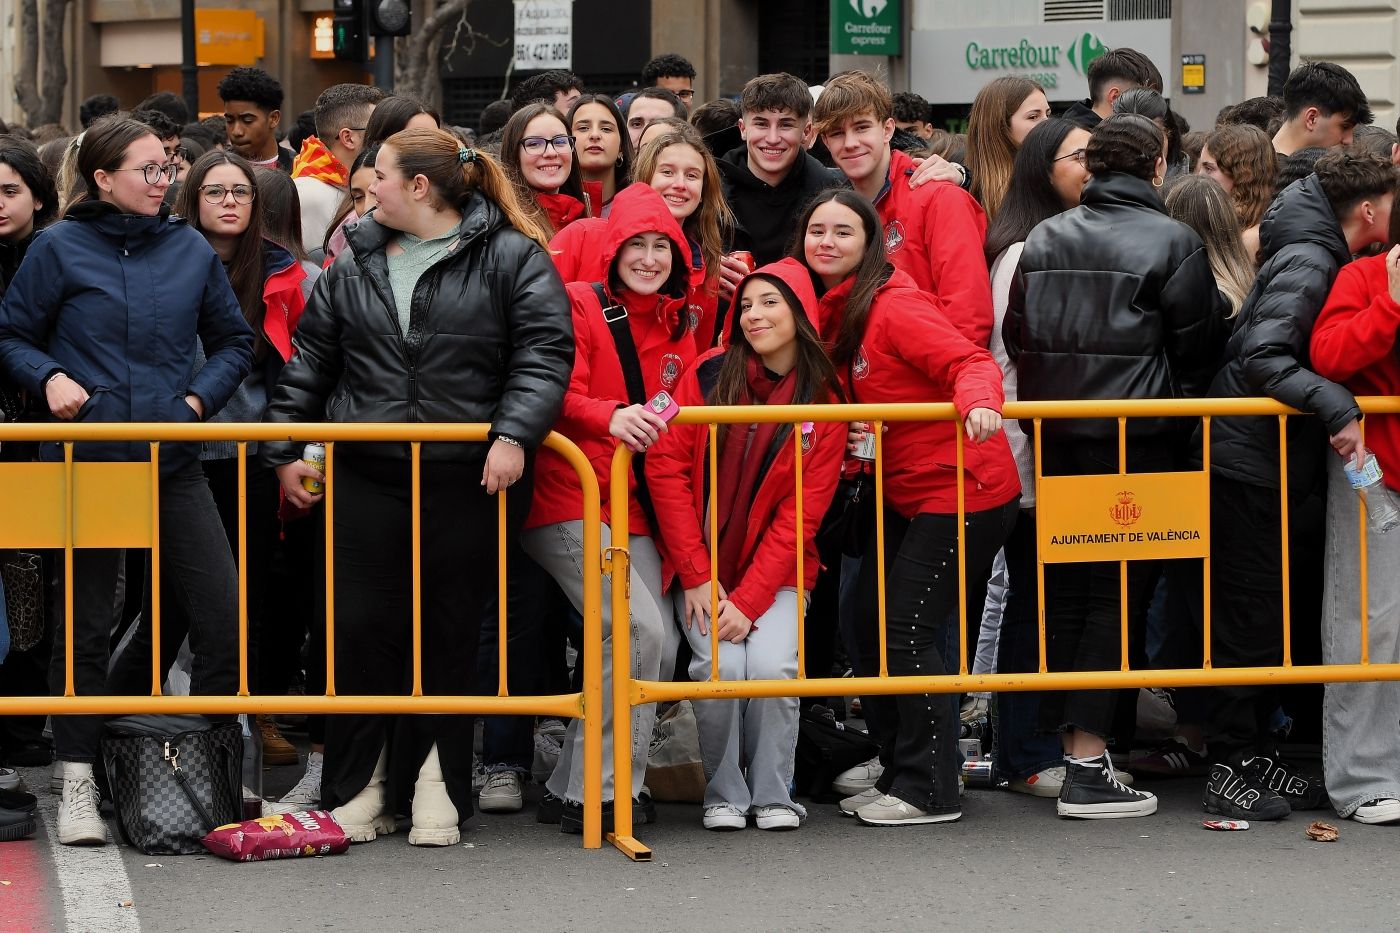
{"type": "Point", "coordinates": [559, 550]}
{"type": "Point", "coordinates": [757, 738]}
{"type": "Point", "coordinates": [1360, 741]}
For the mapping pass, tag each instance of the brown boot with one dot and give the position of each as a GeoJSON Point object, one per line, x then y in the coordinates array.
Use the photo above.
{"type": "Point", "coordinates": [276, 749]}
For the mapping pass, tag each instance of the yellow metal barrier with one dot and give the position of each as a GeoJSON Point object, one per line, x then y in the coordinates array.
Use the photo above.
{"type": "Point", "coordinates": [71, 505]}
{"type": "Point", "coordinates": [628, 692]}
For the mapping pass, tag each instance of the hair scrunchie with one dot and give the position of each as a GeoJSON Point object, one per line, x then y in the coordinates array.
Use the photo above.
{"type": "Point", "coordinates": [465, 155]}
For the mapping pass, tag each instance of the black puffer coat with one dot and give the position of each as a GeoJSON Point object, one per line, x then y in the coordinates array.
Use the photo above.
{"type": "Point", "coordinates": [1302, 248]}
{"type": "Point", "coordinates": [490, 338]}
{"type": "Point", "coordinates": [1113, 300]}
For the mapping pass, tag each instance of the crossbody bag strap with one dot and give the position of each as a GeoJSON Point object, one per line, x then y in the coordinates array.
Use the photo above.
{"type": "Point", "coordinates": [615, 316]}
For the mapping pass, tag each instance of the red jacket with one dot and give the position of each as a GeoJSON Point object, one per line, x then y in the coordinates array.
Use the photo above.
{"type": "Point", "coordinates": [597, 387]}
{"type": "Point", "coordinates": [911, 353]}
{"type": "Point", "coordinates": [935, 234]}
{"type": "Point", "coordinates": [579, 255]}
{"type": "Point", "coordinates": [283, 297]}
{"type": "Point", "coordinates": [1353, 343]}
{"type": "Point", "coordinates": [676, 471]}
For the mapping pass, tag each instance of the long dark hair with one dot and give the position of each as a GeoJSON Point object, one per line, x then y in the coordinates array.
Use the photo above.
{"type": "Point", "coordinates": [281, 211]}
{"type": "Point", "coordinates": [391, 115]}
{"type": "Point", "coordinates": [816, 376]}
{"type": "Point", "coordinates": [622, 171]}
{"type": "Point", "coordinates": [1030, 196]}
{"type": "Point", "coordinates": [24, 159]}
{"type": "Point", "coordinates": [247, 270]}
{"type": "Point", "coordinates": [873, 271]}
{"type": "Point", "coordinates": [347, 202]}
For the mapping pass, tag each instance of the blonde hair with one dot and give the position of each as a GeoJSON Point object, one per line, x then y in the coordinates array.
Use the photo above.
{"type": "Point", "coordinates": [456, 173]}
{"type": "Point", "coordinates": [990, 150]}
{"type": "Point", "coordinates": [1202, 204]}
{"type": "Point", "coordinates": [712, 222]}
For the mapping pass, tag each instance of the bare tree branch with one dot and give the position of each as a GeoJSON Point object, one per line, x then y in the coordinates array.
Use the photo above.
{"type": "Point", "coordinates": [27, 75]}
{"type": "Point", "coordinates": [41, 37]}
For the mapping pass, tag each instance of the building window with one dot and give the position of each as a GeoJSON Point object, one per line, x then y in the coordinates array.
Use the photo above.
{"type": "Point", "coordinates": [1056, 11]}
{"type": "Point", "coordinates": [1139, 9]}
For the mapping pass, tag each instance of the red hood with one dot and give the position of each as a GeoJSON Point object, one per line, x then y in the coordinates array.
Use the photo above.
{"type": "Point", "coordinates": [796, 277]}
{"type": "Point", "coordinates": [640, 209]}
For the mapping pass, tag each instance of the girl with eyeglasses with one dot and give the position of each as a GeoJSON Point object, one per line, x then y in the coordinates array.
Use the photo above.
{"type": "Point", "coordinates": [102, 321]}
{"type": "Point", "coordinates": [538, 152]}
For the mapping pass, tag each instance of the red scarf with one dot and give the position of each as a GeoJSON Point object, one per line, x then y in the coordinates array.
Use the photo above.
{"type": "Point", "coordinates": [740, 461]}
{"type": "Point", "coordinates": [562, 209]}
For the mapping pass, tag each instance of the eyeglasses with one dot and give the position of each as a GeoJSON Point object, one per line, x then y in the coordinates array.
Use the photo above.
{"type": "Point", "coordinates": [686, 94]}
{"type": "Point", "coordinates": [215, 194]}
{"type": "Point", "coordinates": [535, 144]}
{"type": "Point", "coordinates": [1077, 155]}
{"type": "Point", "coordinates": [153, 172]}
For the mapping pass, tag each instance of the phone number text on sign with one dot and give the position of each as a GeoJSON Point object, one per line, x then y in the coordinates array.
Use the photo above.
{"type": "Point", "coordinates": [544, 34]}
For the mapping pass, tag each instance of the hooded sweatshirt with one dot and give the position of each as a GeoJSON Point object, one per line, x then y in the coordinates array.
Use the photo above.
{"type": "Point", "coordinates": [1301, 248]}
{"type": "Point", "coordinates": [766, 215]}
{"type": "Point", "coordinates": [597, 387]}
{"type": "Point", "coordinates": [677, 476]}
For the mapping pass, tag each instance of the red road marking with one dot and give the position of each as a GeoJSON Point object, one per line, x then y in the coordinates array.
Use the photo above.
{"type": "Point", "coordinates": [26, 902]}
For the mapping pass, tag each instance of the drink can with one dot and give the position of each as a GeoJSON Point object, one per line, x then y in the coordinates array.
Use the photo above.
{"type": "Point", "coordinates": [979, 773]}
{"type": "Point", "coordinates": [865, 447]}
{"type": "Point", "coordinates": [971, 749]}
{"type": "Point", "coordinates": [745, 257]}
{"type": "Point", "coordinates": [314, 455]}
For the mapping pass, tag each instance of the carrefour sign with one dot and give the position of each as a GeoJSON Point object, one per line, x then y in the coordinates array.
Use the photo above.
{"type": "Point", "coordinates": [949, 66]}
{"type": "Point", "coordinates": [865, 27]}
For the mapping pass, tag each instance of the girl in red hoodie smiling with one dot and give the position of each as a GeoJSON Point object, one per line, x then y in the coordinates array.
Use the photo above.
{"type": "Point", "coordinates": [631, 320]}
{"type": "Point", "coordinates": [774, 357]}
{"type": "Point", "coordinates": [894, 344]}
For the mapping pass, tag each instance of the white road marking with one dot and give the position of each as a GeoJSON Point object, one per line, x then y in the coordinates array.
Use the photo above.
{"type": "Point", "coordinates": [92, 879]}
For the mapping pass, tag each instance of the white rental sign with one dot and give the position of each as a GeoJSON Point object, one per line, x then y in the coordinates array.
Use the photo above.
{"type": "Point", "coordinates": [544, 34]}
{"type": "Point", "coordinates": [949, 66]}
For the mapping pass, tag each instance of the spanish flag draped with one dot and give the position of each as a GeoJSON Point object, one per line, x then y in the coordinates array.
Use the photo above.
{"type": "Point", "coordinates": [315, 161]}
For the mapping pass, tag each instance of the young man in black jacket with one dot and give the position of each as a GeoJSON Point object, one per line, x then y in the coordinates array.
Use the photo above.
{"type": "Point", "coordinates": [1109, 75]}
{"type": "Point", "coordinates": [1310, 232]}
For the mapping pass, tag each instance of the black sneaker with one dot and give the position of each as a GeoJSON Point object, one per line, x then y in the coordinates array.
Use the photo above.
{"type": "Point", "coordinates": [571, 819]}
{"type": "Point", "coordinates": [16, 825]}
{"type": "Point", "coordinates": [1300, 790]}
{"type": "Point", "coordinates": [1093, 792]}
{"type": "Point", "coordinates": [550, 809]}
{"type": "Point", "coordinates": [18, 800]}
{"type": "Point", "coordinates": [1241, 795]}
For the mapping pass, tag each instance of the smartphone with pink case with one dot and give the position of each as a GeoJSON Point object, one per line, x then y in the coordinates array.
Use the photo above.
{"type": "Point", "coordinates": [663, 406]}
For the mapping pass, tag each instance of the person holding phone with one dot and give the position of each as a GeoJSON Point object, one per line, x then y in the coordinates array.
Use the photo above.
{"type": "Point", "coordinates": [774, 356]}
{"type": "Point", "coordinates": [631, 340]}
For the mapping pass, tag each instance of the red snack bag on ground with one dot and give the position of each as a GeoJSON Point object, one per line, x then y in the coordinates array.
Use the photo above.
{"type": "Point", "coordinates": [281, 835]}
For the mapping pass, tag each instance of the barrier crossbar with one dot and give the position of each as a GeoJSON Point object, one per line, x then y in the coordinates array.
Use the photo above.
{"type": "Point", "coordinates": [78, 504]}
{"type": "Point", "coordinates": [629, 691]}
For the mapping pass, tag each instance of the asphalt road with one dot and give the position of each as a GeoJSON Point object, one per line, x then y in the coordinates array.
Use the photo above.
{"type": "Point", "coordinates": [1009, 864]}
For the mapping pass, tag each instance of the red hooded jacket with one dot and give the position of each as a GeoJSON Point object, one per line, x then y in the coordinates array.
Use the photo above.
{"type": "Point", "coordinates": [677, 466]}
{"type": "Point", "coordinates": [283, 297]}
{"type": "Point", "coordinates": [935, 234]}
{"type": "Point", "coordinates": [1353, 343]}
{"type": "Point", "coordinates": [911, 353]}
{"type": "Point", "coordinates": [597, 387]}
{"type": "Point", "coordinates": [579, 252]}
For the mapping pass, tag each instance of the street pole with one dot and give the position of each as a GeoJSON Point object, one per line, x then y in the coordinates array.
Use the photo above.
{"type": "Point", "coordinates": [189, 69]}
{"type": "Point", "coordinates": [1280, 46]}
{"type": "Point", "coordinates": [384, 63]}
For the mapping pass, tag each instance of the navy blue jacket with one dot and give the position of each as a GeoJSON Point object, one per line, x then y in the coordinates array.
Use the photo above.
{"type": "Point", "coordinates": [116, 301]}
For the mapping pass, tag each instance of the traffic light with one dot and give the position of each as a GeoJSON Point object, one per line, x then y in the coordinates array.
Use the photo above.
{"type": "Point", "coordinates": [388, 17]}
{"type": "Point", "coordinates": [348, 30]}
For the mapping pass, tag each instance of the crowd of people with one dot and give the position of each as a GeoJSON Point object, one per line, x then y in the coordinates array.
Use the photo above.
{"type": "Point", "coordinates": [584, 263]}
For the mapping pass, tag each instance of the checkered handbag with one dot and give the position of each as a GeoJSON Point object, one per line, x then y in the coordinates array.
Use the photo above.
{"type": "Point", "coordinates": [173, 779]}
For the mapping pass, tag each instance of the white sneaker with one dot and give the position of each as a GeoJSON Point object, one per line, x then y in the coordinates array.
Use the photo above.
{"type": "Point", "coordinates": [776, 817]}
{"type": "Point", "coordinates": [724, 817]}
{"type": "Point", "coordinates": [850, 805]}
{"type": "Point", "coordinates": [501, 794]}
{"type": "Point", "coordinates": [1045, 783]}
{"type": "Point", "coordinates": [1384, 810]}
{"type": "Point", "coordinates": [364, 817]}
{"type": "Point", "coordinates": [860, 778]}
{"type": "Point", "coordinates": [306, 794]}
{"type": "Point", "coordinates": [435, 819]}
{"type": "Point", "coordinates": [549, 742]}
{"type": "Point", "coordinates": [79, 821]}
{"type": "Point", "coordinates": [891, 811]}
{"type": "Point", "coordinates": [9, 779]}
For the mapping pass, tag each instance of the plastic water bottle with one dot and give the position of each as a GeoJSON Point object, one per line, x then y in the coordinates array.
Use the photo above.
{"type": "Point", "coordinates": [1364, 473]}
{"type": "Point", "coordinates": [252, 767]}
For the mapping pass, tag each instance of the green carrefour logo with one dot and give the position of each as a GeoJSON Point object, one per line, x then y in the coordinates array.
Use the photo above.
{"type": "Point", "coordinates": [865, 27]}
{"type": "Point", "coordinates": [869, 8]}
{"type": "Point", "coordinates": [1084, 50]}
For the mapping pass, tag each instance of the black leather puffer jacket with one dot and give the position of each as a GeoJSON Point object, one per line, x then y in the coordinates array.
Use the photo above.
{"type": "Point", "coordinates": [1302, 248]}
{"type": "Point", "coordinates": [490, 338]}
{"type": "Point", "coordinates": [1113, 300]}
